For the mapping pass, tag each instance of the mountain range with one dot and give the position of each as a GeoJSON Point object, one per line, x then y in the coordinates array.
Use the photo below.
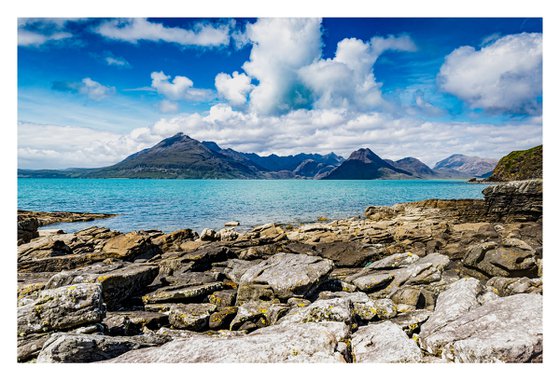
{"type": "Point", "coordinates": [180, 156]}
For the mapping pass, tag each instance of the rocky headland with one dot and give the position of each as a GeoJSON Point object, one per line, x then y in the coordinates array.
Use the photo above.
{"type": "Point", "coordinates": [429, 281]}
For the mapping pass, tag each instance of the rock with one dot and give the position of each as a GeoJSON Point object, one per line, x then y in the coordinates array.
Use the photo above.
{"type": "Point", "coordinates": [307, 343]}
{"type": "Point", "coordinates": [414, 296]}
{"type": "Point", "coordinates": [129, 323]}
{"type": "Point", "coordinates": [514, 201]}
{"type": "Point", "coordinates": [28, 347]}
{"type": "Point", "coordinates": [208, 235]}
{"type": "Point", "coordinates": [181, 293]}
{"type": "Point", "coordinates": [289, 274]}
{"type": "Point", "coordinates": [118, 282]}
{"type": "Point", "coordinates": [59, 263]}
{"type": "Point", "coordinates": [322, 310]}
{"type": "Point", "coordinates": [378, 213]}
{"type": "Point", "coordinates": [227, 234]}
{"type": "Point", "coordinates": [193, 317]}
{"type": "Point", "coordinates": [27, 229]}
{"type": "Point", "coordinates": [61, 308]}
{"type": "Point", "coordinates": [130, 246]}
{"type": "Point", "coordinates": [232, 223]}
{"type": "Point", "coordinates": [372, 282]}
{"type": "Point", "coordinates": [506, 329]}
{"type": "Point", "coordinates": [257, 314]}
{"type": "Point", "coordinates": [237, 267]}
{"type": "Point", "coordinates": [411, 322]}
{"type": "Point", "coordinates": [384, 342]}
{"type": "Point", "coordinates": [385, 308]}
{"type": "Point", "coordinates": [346, 254]}
{"type": "Point", "coordinates": [511, 286]}
{"type": "Point", "coordinates": [174, 240]}
{"type": "Point", "coordinates": [394, 261]}
{"type": "Point", "coordinates": [513, 258]}
{"type": "Point", "coordinates": [223, 298]}
{"type": "Point", "coordinates": [222, 318]}
{"type": "Point", "coordinates": [453, 303]}
{"type": "Point", "coordinates": [73, 348]}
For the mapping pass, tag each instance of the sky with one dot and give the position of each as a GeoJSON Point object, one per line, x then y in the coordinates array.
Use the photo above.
{"type": "Point", "coordinates": [93, 91]}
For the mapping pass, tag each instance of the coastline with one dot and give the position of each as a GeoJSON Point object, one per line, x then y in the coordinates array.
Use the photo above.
{"type": "Point", "coordinates": [344, 290]}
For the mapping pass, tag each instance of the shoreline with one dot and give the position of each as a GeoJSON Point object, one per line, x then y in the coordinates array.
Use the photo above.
{"type": "Point", "coordinates": [343, 290]}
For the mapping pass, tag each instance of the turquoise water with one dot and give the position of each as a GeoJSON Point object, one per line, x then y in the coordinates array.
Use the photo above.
{"type": "Point", "coordinates": [175, 204]}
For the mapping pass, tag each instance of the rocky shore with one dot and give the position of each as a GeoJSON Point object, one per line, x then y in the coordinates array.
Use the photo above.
{"type": "Point", "coordinates": [429, 281]}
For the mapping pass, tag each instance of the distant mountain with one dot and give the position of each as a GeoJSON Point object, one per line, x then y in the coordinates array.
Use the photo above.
{"type": "Point", "coordinates": [415, 167]}
{"type": "Point", "coordinates": [519, 165]}
{"type": "Point", "coordinates": [312, 169]}
{"type": "Point", "coordinates": [363, 164]}
{"type": "Point", "coordinates": [179, 157]}
{"type": "Point", "coordinates": [468, 165]}
{"type": "Point", "coordinates": [289, 163]}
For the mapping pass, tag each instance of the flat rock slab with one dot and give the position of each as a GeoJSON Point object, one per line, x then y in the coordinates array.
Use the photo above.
{"type": "Point", "coordinates": [61, 308]}
{"type": "Point", "coordinates": [505, 329]}
{"type": "Point", "coordinates": [304, 343]}
{"type": "Point", "coordinates": [194, 317]}
{"type": "Point", "coordinates": [181, 293]}
{"type": "Point", "coordinates": [384, 342]}
{"type": "Point", "coordinates": [289, 274]}
{"type": "Point", "coordinates": [82, 348]}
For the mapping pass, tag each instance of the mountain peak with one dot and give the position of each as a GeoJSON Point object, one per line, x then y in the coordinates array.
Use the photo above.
{"type": "Point", "coordinates": [364, 155]}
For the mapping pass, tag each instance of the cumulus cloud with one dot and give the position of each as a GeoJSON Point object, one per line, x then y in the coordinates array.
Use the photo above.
{"type": "Point", "coordinates": [279, 48]}
{"type": "Point", "coordinates": [503, 76]}
{"type": "Point", "coordinates": [286, 64]}
{"type": "Point", "coordinates": [234, 88]}
{"type": "Point", "coordinates": [117, 61]}
{"type": "Point", "coordinates": [322, 131]}
{"type": "Point", "coordinates": [140, 29]}
{"type": "Point", "coordinates": [178, 88]}
{"type": "Point", "coordinates": [347, 80]}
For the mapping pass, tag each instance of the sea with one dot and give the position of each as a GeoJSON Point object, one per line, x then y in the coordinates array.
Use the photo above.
{"type": "Point", "coordinates": [168, 205]}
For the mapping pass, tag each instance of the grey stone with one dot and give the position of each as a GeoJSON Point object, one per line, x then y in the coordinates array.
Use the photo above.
{"type": "Point", "coordinates": [194, 317]}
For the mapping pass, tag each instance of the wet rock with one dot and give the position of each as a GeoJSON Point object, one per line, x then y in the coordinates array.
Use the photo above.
{"type": "Point", "coordinates": [511, 286]}
{"type": "Point", "coordinates": [506, 329]}
{"type": "Point", "coordinates": [72, 348]}
{"type": "Point", "coordinates": [61, 308]}
{"type": "Point", "coordinates": [308, 342]}
{"type": "Point", "coordinates": [181, 293]}
{"type": "Point", "coordinates": [129, 323]}
{"type": "Point", "coordinates": [384, 342]}
{"type": "Point", "coordinates": [193, 317]}
{"type": "Point", "coordinates": [288, 274]}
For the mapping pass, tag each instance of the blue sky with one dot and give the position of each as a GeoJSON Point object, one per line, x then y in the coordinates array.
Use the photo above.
{"type": "Point", "coordinates": [92, 91]}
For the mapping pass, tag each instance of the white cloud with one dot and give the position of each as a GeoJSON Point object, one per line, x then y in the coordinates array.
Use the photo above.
{"type": "Point", "coordinates": [347, 80]}
{"type": "Point", "coordinates": [134, 30]}
{"type": "Point", "coordinates": [505, 75]}
{"type": "Point", "coordinates": [34, 32]}
{"type": "Point", "coordinates": [168, 106]}
{"type": "Point", "coordinates": [323, 131]}
{"type": "Point", "coordinates": [116, 61]}
{"type": "Point", "coordinates": [234, 88]}
{"type": "Point", "coordinates": [95, 90]}
{"type": "Point", "coordinates": [280, 47]}
{"type": "Point", "coordinates": [178, 88]}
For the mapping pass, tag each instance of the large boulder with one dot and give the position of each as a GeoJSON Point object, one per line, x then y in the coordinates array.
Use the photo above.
{"type": "Point", "coordinates": [27, 229]}
{"type": "Point", "coordinates": [384, 342]}
{"type": "Point", "coordinates": [83, 348]}
{"type": "Point", "coordinates": [511, 258]}
{"type": "Point", "coordinates": [515, 200]}
{"type": "Point", "coordinates": [502, 330]}
{"type": "Point", "coordinates": [308, 342]}
{"type": "Point", "coordinates": [130, 246]}
{"type": "Point", "coordinates": [288, 274]}
{"type": "Point", "coordinates": [61, 308]}
{"type": "Point", "coordinates": [119, 282]}
{"type": "Point", "coordinates": [193, 316]}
